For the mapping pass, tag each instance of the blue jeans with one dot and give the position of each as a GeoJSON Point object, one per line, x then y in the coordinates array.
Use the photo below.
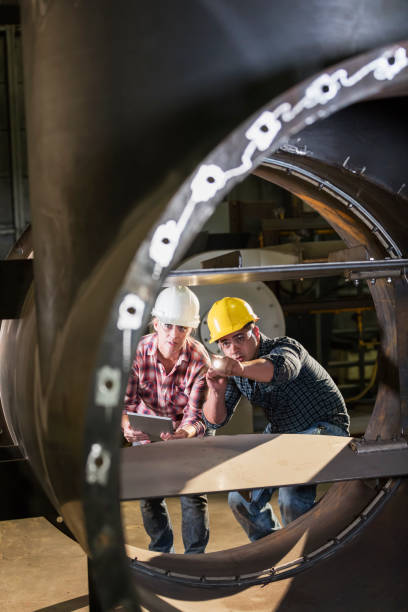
{"type": "Point", "coordinates": [257, 516]}
{"type": "Point", "coordinates": [194, 523]}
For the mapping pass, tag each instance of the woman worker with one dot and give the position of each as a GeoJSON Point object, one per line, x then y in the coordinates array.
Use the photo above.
{"type": "Point", "coordinates": [168, 378]}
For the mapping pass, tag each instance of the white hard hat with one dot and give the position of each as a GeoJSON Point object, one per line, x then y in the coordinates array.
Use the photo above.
{"type": "Point", "coordinates": [178, 306]}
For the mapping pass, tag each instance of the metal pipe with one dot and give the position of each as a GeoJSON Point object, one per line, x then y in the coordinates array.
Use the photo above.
{"type": "Point", "coordinates": [214, 276]}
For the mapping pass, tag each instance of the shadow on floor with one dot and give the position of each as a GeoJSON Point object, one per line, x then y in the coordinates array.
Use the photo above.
{"type": "Point", "coordinates": [67, 606]}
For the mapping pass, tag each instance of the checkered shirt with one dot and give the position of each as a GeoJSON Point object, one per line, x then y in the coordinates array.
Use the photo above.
{"type": "Point", "coordinates": [179, 394]}
{"type": "Point", "coordinates": [300, 394]}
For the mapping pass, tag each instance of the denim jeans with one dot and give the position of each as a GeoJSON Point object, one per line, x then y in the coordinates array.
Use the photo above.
{"type": "Point", "coordinates": [257, 516]}
{"type": "Point", "coordinates": [194, 523]}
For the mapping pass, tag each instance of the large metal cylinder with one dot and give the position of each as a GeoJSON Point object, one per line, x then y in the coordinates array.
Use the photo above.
{"type": "Point", "coordinates": [126, 107]}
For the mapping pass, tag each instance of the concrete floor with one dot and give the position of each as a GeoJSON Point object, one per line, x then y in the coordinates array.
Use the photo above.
{"type": "Point", "coordinates": [42, 570]}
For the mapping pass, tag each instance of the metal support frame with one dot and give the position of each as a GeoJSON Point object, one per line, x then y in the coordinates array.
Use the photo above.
{"type": "Point", "coordinates": [385, 268]}
{"type": "Point", "coordinates": [15, 131]}
{"type": "Point", "coordinates": [401, 307]}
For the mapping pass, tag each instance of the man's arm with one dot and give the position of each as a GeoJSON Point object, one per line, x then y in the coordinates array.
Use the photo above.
{"type": "Point", "coordinates": [214, 409]}
{"type": "Point", "coordinates": [223, 397]}
{"type": "Point", "coordinates": [282, 364]}
{"type": "Point", "coordinates": [261, 369]}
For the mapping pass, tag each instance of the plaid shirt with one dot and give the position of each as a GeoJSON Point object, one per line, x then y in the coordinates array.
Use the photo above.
{"type": "Point", "coordinates": [179, 394]}
{"type": "Point", "coordinates": [300, 394]}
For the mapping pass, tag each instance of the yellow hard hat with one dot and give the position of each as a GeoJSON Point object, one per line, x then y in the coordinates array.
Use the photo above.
{"type": "Point", "coordinates": [229, 315]}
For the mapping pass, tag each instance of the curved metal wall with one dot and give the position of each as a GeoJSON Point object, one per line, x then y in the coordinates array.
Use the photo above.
{"type": "Point", "coordinates": [123, 103]}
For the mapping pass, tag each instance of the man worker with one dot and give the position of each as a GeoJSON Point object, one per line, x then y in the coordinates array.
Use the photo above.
{"type": "Point", "coordinates": [294, 390]}
{"type": "Point", "coordinates": [168, 378]}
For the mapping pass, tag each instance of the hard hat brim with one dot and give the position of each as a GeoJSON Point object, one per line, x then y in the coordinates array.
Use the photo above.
{"type": "Point", "coordinates": [234, 328]}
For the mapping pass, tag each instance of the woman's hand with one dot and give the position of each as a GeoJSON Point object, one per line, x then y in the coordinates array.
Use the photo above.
{"type": "Point", "coordinates": [177, 435]}
{"type": "Point", "coordinates": [133, 435]}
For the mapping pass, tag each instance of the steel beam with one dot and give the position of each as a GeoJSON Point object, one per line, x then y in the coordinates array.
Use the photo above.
{"type": "Point", "coordinates": [227, 463]}
{"type": "Point", "coordinates": [386, 268]}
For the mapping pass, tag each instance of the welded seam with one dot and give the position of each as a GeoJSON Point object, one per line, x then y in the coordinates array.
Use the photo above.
{"type": "Point", "coordinates": [211, 178]}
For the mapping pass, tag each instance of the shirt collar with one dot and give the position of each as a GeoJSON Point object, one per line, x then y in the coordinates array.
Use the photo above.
{"type": "Point", "coordinates": [185, 353]}
{"type": "Point", "coordinates": [152, 346]}
{"type": "Point", "coordinates": [259, 350]}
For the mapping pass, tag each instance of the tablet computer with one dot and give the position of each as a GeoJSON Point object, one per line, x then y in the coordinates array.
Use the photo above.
{"type": "Point", "coordinates": [150, 424]}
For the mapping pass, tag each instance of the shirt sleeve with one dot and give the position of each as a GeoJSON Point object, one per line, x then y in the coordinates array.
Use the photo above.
{"type": "Point", "coordinates": [287, 362]}
{"type": "Point", "coordinates": [193, 411]}
{"type": "Point", "coordinates": [231, 399]}
{"type": "Point", "coordinates": [132, 399]}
